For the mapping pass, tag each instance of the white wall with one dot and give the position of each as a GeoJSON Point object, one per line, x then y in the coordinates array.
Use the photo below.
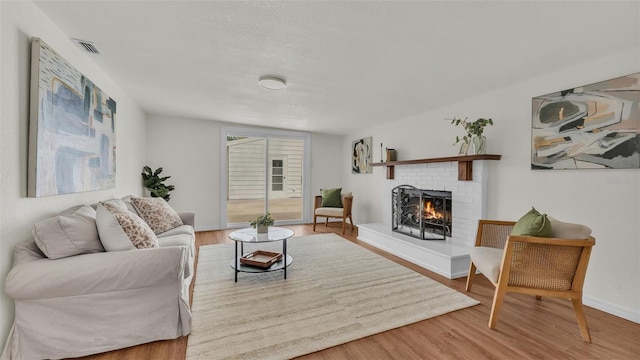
{"type": "Point", "coordinates": [606, 200]}
{"type": "Point", "coordinates": [19, 21]}
{"type": "Point", "coordinates": [189, 151]}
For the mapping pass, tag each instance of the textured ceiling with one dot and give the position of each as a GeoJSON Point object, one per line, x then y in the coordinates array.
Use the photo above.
{"type": "Point", "coordinates": [348, 65]}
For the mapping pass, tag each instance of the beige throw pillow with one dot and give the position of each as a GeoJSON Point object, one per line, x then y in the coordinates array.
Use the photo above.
{"type": "Point", "coordinates": [72, 232]}
{"type": "Point", "coordinates": [120, 229]}
{"type": "Point", "coordinates": [157, 213]}
{"type": "Point", "coordinates": [564, 230]}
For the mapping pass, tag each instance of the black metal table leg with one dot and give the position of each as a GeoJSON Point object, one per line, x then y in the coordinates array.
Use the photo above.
{"type": "Point", "coordinates": [284, 250]}
{"type": "Point", "coordinates": [236, 269]}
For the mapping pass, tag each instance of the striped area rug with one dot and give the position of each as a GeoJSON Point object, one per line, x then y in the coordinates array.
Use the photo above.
{"type": "Point", "coordinates": [335, 292]}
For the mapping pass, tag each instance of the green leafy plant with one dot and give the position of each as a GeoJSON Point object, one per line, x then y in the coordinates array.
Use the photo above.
{"type": "Point", "coordinates": [473, 128]}
{"type": "Point", "coordinates": [155, 184]}
{"type": "Point", "coordinates": [265, 220]}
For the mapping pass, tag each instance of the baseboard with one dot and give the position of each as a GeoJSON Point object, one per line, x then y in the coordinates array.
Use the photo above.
{"type": "Point", "coordinates": [613, 309]}
{"type": "Point", "coordinates": [207, 228]}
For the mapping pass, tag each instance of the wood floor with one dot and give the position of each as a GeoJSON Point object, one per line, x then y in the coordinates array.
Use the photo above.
{"type": "Point", "coordinates": [527, 328]}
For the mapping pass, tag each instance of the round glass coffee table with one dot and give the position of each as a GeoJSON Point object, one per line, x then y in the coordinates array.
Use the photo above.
{"type": "Point", "coordinates": [250, 235]}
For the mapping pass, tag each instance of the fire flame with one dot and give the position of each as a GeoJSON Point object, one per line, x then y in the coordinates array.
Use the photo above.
{"type": "Point", "coordinates": [430, 211]}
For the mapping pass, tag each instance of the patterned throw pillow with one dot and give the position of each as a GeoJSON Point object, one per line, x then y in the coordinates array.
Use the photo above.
{"type": "Point", "coordinates": [157, 213]}
{"type": "Point", "coordinates": [120, 229]}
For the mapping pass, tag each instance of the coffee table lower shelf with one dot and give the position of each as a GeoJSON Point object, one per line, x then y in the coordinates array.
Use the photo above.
{"type": "Point", "coordinates": [279, 265]}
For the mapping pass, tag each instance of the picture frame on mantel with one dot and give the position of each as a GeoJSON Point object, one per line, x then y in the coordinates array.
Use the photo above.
{"type": "Point", "coordinates": [72, 135]}
{"type": "Point", "coordinates": [595, 126]}
{"type": "Point", "coordinates": [361, 156]}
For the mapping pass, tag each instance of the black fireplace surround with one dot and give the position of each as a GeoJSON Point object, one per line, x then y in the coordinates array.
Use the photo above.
{"type": "Point", "coordinates": [423, 214]}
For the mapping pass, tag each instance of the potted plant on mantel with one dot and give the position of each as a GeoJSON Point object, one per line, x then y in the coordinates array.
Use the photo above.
{"type": "Point", "coordinates": [262, 222]}
{"type": "Point", "coordinates": [474, 129]}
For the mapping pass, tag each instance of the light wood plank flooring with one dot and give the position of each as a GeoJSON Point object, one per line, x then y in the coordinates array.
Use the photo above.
{"type": "Point", "coordinates": [527, 328]}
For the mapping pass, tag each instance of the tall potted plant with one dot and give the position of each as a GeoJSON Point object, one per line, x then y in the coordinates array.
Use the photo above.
{"type": "Point", "coordinates": [155, 184]}
{"type": "Point", "coordinates": [474, 129]}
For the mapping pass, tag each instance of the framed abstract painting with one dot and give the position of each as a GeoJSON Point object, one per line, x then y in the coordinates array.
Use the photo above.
{"type": "Point", "coordinates": [72, 136]}
{"type": "Point", "coordinates": [588, 127]}
{"type": "Point", "coordinates": [361, 156]}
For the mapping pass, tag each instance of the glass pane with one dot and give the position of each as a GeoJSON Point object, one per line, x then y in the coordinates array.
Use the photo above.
{"type": "Point", "coordinates": [246, 173]}
{"type": "Point", "coordinates": [285, 196]}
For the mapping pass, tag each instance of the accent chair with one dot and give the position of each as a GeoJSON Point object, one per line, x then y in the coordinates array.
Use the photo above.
{"type": "Point", "coordinates": [343, 212]}
{"type": "Point", "coordinates": [542, 266]}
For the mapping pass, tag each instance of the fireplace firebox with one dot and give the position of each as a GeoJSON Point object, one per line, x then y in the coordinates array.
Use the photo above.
{"type": "Point", "coordinates": [424, 214]}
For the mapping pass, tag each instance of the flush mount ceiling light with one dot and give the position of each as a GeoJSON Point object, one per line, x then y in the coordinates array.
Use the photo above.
{"type": "Point", "coordinates": [272, 83]}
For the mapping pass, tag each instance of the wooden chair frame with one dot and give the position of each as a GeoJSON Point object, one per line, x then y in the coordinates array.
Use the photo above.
{"type": "Point", "coordinates": [531, 243]}
{"type": "Point", "coordinates": [347, 202]}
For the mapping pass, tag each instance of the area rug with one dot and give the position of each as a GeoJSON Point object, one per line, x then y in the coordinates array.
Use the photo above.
{"type": "Point", "coordinates": [335, 292]}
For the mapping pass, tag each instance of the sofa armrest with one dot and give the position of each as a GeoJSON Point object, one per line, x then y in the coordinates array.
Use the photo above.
{"type": "Point", "coordinates": [188, 218]}
{"type": "Point", "coordinates": [96, 273]}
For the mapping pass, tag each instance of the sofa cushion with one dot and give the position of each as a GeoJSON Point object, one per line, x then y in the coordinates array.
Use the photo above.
{"type": "Point", "coordinates": [157, 213]}
{"type": "Point", "coordinates": [120, 229]}
{"type": "Point", "coordinates": [176, 240]}
{"type": "Point", "coordinates": [488, 261]}
{"type": "Point", "coordinates": [533, 223]}
{"type": "Point", "coordinates": [331, 198]}
{"type": "Point", "coordinates": [72, 232]}
{"type": "Point", "coordinates": [330, 211]}
{"type": "Point", "coordinates": [180, 230]}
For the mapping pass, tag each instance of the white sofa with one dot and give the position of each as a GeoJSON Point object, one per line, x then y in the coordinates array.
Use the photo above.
{"type": "Point", "coordinates": [102, 300]}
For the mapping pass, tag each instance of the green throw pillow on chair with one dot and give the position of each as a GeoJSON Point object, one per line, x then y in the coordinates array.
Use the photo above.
{"type": "Point", "coordinates": [533, 223]}
{"type": "Point", "coordinates": [331, 197]}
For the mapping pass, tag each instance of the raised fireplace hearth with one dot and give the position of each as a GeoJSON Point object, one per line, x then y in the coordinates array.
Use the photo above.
{"type": "Point", "coordinates": [423, 214]}
{"type": "Point", "coordinates": [450, 257]}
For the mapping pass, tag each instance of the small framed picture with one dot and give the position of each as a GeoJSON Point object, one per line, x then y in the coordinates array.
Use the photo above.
{"type": "Point", "coordinates": [361, 156]}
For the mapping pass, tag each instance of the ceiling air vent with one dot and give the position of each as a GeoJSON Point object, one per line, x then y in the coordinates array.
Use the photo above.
{"type": "Point", "coordinates": [87, 46]}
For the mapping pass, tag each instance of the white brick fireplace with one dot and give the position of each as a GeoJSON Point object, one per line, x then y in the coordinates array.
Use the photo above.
{"type": "Point", "coordinates": [450, 257]}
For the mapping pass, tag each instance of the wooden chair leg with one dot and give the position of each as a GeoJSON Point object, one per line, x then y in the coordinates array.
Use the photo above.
{"type": "Point", "coordinates": [582, 321]}
{"type": "Point", "coordinates": [315, 218]}
{"type": "Point", "coordinates": [471, 276]}
{"type": "Point", "coordinates": [326, 222]}
{"type": "Point", "coordinates": [351, 222]}
{"type": "Point", "coordinates": [344, 225]}
{"type": "Point", "coordinates": [498, 298]}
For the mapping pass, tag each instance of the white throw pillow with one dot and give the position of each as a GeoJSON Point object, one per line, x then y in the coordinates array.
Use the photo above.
{"type": "Point", "coordinates": [72, 232]}
{"type": "Point", "coordinates": [120, 229]}
{"type": "Point", "coordinates": [157, 213]}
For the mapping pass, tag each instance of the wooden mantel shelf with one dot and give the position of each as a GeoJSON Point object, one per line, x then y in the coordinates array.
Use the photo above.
{"type": "Point", "coordinates": [465, 164]}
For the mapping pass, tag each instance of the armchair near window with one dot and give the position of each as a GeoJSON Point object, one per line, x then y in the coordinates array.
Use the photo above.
{"type": "Point", "coordinates": [541, 266]}
{"type": "Point", "coordinates": [343, 212]}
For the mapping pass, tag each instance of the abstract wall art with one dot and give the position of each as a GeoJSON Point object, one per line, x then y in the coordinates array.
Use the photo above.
{"type": "Point", "coordinates": [72, 137]}
{"type": "Point", "coordinates": [588, 127]}
{"type": "Point", "coordinates": [361, 156]}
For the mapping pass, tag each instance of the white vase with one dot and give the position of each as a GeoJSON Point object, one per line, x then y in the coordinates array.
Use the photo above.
{"type": "Point", "coordinates": [479, 144]}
